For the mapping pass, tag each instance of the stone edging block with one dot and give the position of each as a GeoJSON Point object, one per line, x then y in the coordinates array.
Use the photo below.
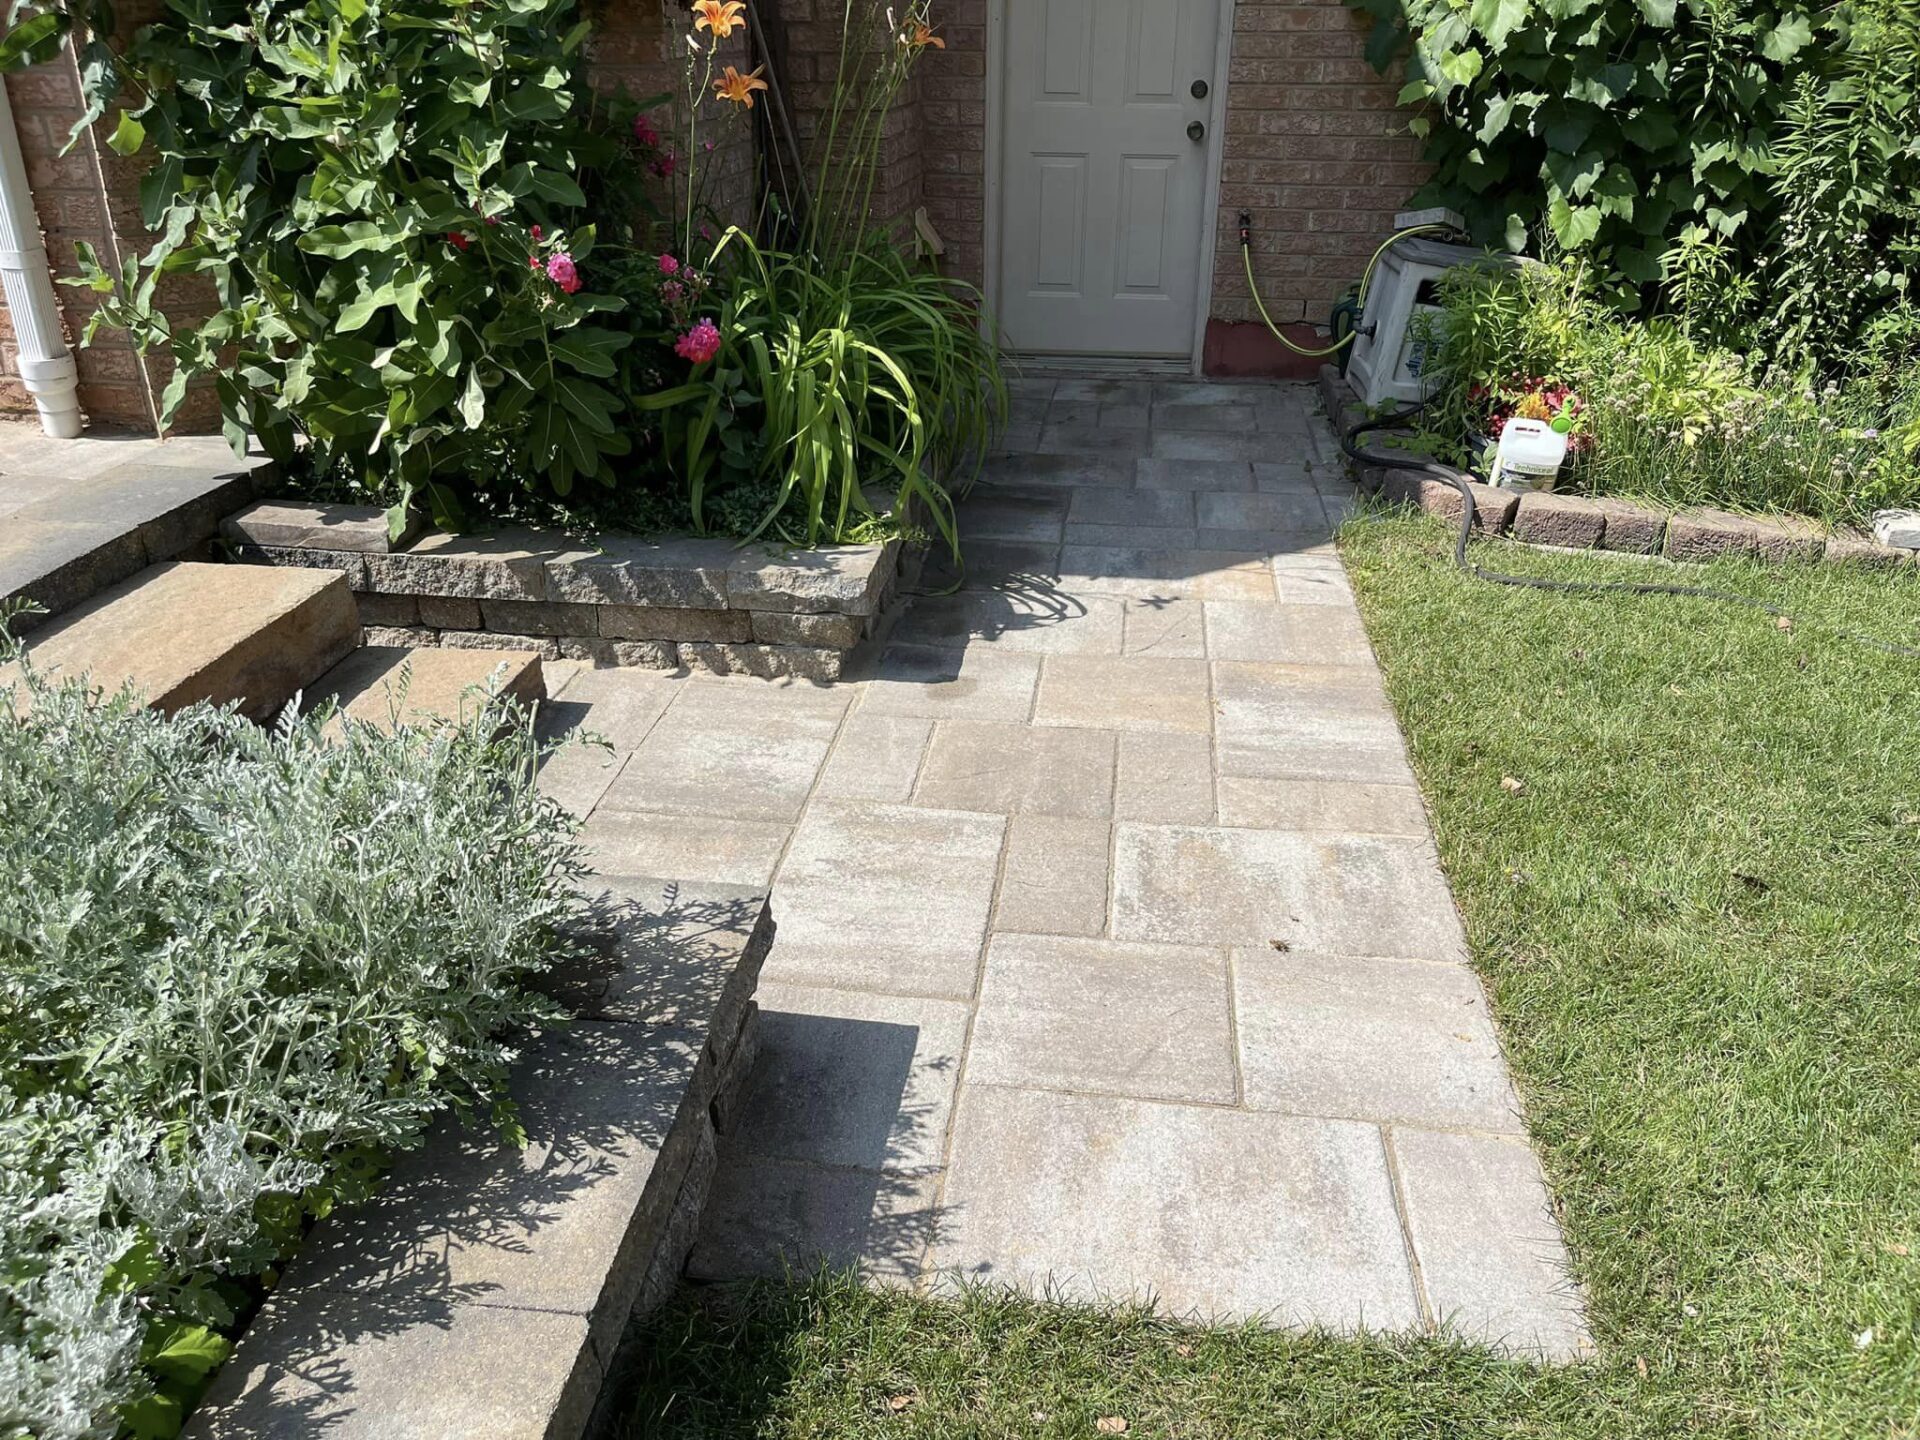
{"type": "Point", "coordinates": [488, 1289]}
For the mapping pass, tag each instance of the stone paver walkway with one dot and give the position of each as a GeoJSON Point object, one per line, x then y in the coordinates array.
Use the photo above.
{"type": "Point", "coordinates": [1114, 955]}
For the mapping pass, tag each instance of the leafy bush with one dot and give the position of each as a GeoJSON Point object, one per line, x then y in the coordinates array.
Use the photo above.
{"type": "Point", "coordinates": [1756, 159]}
{"type": "Point", "coordinates": [1664, 417]}
{"type": "Point", "coordinates": [237, 967]}
{"type": "Point", "coordinates": [380, 193]}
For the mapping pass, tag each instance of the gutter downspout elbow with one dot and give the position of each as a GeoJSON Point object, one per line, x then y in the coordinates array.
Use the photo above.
{"type": "Point", "coordinates": [46, 365]}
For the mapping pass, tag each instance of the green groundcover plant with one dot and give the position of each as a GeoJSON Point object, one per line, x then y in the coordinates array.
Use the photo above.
{"type": "Point", "coordinates": [1664, 415]}
{"type": "Point", "coordinates": [238, 967]}
{"type": "Point", "coordinates": [1765, 151]}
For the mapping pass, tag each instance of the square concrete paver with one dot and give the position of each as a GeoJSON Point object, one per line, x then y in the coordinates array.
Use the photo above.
{"type": "Point", "coordinates": [1036, 621]}
{"type": "Point", "coordinates": [1171, 628]}
{"type": "Point", "coordinates": [709, 848]}
{"type": "Point", "coordinates": [1217, 1213]}
{"type": "Point", "coordinates": [886, 897]}
{"type": "Point", "coordinates": [1018, 769]}
{"type": "Point", "coordinates": [1054, 881]}
{"type": "Point", "coordinates": [1131, 692]}
{"type": "Point", "coordinates": [851, 1079]}
{"type": "Point", "coordinates": [1313, 1030]}
{"type": "Point", "coordinates": [877, 757]}
{"type": "Point", "coordinates": [1150, 1021]}
{"type": "Point", "coordinates": [1295, 634]}
{"type": "Point", "coordinates": [1490, 1252]}
{"type": "Point", "coordinates": [1338, 894]}
{"type": "Point", "coordinates": [1165, 779]}
{"type": "Point", "coordinates": [1341, 806]}
{"type": "Point", "coordinates": [1309, 722]}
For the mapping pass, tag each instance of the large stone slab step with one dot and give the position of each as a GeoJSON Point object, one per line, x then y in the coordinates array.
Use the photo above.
{"type": "Point", "coordinates": [185, 632]}
{"type": "Point", "coordinates": [384, 683]}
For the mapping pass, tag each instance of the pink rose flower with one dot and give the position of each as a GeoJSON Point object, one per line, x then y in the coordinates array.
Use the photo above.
{"type": "Point", "coordinates": [669, 265]}
{"type": "Point", "coordinates": [562, 271]}
{"type": "Point", "coordinates": [700, 344]}
{"type": "Point", "coordinates": [673, 292]}
{"type": "Point", "coordinates": [644, 132]}
{"type": "Point", "coordinates": [535, 232]}
{"type": "Point", "coordinates": [663, 165]}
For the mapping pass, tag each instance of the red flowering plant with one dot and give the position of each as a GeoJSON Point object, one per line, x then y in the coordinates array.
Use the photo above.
{"type": "Point", "coordinates": [1527, 397]}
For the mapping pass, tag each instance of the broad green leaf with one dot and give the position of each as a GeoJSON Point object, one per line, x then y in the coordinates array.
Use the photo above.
{"type": "Point", "coordinates": [1497, 19]}
{"type": "Point", "coordinates": [188, 1352]}
{"type": "Point", "coordinates": [336, 242]}
{"type": "Point", "coordinates": [1658, 12]}
{"type": "Point", "coordinates": [588, 350]}
{"type": "Point", "coordinates": [473, 400]}
{"type": "Point", "coordinates": [128, 136]}
{"type": "Point", "coordinates": [1788, 38]}
{"type": "Point", "coordinates": [1574, 226]}
{"type": "Point", "coordinates": [33, 39]}
{"type": "Point", "coordinates": [1462, 67]}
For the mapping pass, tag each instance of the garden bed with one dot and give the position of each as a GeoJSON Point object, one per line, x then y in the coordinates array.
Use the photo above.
{"type": "Point", "coordinates": [1579, 522]}
{"type": "Point", "coordinates": [704, 604]}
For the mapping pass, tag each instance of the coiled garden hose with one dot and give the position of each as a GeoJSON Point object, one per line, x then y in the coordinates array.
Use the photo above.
{"type": "Point", "coordinates": [1366, 283]}
{"type": "Point", "coordinates": [1580, 587]}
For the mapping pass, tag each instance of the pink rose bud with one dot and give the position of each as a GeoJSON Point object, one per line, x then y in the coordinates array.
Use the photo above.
{"type": "Point", "coordinates": [562, 271]}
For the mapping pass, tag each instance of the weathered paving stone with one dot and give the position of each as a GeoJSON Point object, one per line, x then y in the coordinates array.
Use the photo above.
{"type": "Point", "coordinates": [1153, 573]}
{"type": "Point", "coordinates": [407, 636]}
{"type": "Point", "coordinates": [1703, 532]}
{"type": "Point", "coordinates": [814, 631]}
{"type": "Point", "coordinates": [729, 751]}
{"type": "Point", "coordinates": [1313, 1031]}
{"type": "Point", "coordinates": [852, 1079]}
{"type": "Point", "coordinates": [736, 852]}
{"type": "Point", "coordinates": [1330, 805]}
{"type": "Point", "coordinates": [853, 876]}
{"type": "Point", "coordinates": [387, 609]}
{"type": "Point", "coordinates": [1279, 514]}
{"type": "Point", "coordinates": [293, 524]}
{"type": "Point", "coordinates": [1012, 512]}
{"type": "Point", "coordinates": [764, 662]}
{"type": "Point", "coordinates": [1189, 445]}
{"type": "Point", "coordinates": [1173, 628]}
{"type": "Point", "coordinates": [846, 579]}
{"type": "Point", "coordinates": [628, 570]}
{"type": "Point", "coordinates": [772, 1218]}
{"type": "Point", "coordinates": [509, 565]}
{"type": "Point", "coordinates": [1054, 881]}
{"type": "Point", "coordinates": [168, 507]}
{"type": "Point", "coordinates": [57, 566]}
{"type": "Point", "coordinates": [1149, 1021]}
{"type": "Point", "coordinates": [667, 622]}
{"type": "Point", "coordinates": [1570, 521]}
{"type": "Point", "coordinates": [1030, 622]}
{"type": "Point", "coordinates": [1223, 419]}
{"type": "Point", "coordinates": [1135, 537]}
{"type": "Point", "coordinates": [877, 757]}
{"type": "Point", "coordinates": [369, 684]}
{"type": "Point", "coordinates": [1857, 547]}
{"type": "Point", "coordinates": [1328, 722]}
{"type": "Point", "coordinates": [536, 617]}
{"type": "Point", "coordinates": [1017, 769]}
{"type": "Point", "coordinates": [1081, 440]}
{"type": "Point", "coordinates": [1211, 475]}
{"type": "Point", "coordinates": [620, 707]}
{"type": "Point", "coordinates": [405, 1356]}
{"type": "Point", "coordinates": [545, 646]}
{"type": "Point", "coordinates": [1309, 635]}
{"type": "Point", "coordinates": [1630, 528]}
{"type": "Point", "coordinates": [1490, 1253]}
{"type": "Point", "coordinates": [350, 563]}
{"type": "Point", "coordinates": [1027, 471]}
{"type": "Point", "coordinates": [1125, 693]}
{"type": "Point", "coordinates": [1131, 507]}
{"type": "Point", "coordinates": [1312, 585]}
{"type": "Point", "coordinates": [980, 683]}
{"type": "Point", "coordinates": [1166, 779]}
{"type": "Point", "coordinates": [1284, 1219]}
{"type": "Point", "coordinates": [1333, 894]}
{"type": "Point", "coordinates": [448, 612]}
{"type": "Point", "coordinates": [1284, 479]}
{"type": "Point", "coordinates": [620, 654]}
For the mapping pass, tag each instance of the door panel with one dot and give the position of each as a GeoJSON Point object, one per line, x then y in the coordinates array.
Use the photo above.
{"type": "Point", "coordinates": [1102, 191]}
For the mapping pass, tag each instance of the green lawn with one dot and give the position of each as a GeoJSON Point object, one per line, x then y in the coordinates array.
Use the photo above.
{"type": "Point", "coordinates": [1699, 917]}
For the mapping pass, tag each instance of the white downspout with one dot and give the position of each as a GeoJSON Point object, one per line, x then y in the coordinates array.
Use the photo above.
{"type": "Point", "coordinates": [45, 364]}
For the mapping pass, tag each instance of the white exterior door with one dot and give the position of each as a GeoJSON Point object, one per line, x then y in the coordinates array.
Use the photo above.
{"type": "Point", "coordinates": [1103, 188]}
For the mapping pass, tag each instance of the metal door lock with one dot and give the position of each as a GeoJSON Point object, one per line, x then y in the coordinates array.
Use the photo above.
{"type": "Point", "coordinates": [1196, 132]}
{"type": "Point", "coordinates": [1200, 91]}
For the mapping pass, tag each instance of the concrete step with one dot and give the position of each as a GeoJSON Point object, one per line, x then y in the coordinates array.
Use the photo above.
{"type": "Point", "coordinates": [439, 683]}
{"type": "Point", "coordinates": [184, 632]}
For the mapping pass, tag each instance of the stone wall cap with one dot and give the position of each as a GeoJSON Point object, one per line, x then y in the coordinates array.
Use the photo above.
{"type": "Point", "coordinates": [301, 525]}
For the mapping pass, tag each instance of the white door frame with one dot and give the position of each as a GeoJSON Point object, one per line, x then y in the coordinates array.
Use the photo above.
{"type": "Point", "coordinates": [1216, 152]}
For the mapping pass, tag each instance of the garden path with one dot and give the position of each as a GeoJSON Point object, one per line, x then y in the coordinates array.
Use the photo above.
{"type": "Point", "coordinates": [1114, 954]}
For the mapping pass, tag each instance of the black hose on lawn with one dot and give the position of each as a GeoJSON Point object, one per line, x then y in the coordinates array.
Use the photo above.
{"type": "Point", "coordinates": [1534, 582]}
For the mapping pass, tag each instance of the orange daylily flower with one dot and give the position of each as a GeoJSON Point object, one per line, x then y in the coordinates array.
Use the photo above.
{"type": "Point", "coordinates": [722, 17]}
{"type": "Point", "coordinates": [734, 86]}
{"type": "Point", "coordinates": [920, 36]}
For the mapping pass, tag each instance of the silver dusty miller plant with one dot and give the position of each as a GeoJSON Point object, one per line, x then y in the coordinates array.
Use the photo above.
{"type": "Point", "coordinates": [238, 966]}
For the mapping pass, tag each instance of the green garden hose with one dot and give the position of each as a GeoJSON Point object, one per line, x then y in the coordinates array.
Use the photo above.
{"type": "Point", "coordinates": [1366, 282]}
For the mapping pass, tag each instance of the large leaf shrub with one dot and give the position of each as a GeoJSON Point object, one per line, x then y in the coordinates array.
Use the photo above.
{"type": "Point", "coordinates": [380, 193]}
{"type": "Point", "coordinates": [237, 967]}
{"type": "Point", "coordinates": [1758, 157]}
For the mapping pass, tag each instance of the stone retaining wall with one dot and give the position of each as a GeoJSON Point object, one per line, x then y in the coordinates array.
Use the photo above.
{"type": "Point", "coordinates": [625, 601]}
{"type": "Point", "coordinates": [490, 1290]}
{"type": "Point", "coordinates": [1581, 523]}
